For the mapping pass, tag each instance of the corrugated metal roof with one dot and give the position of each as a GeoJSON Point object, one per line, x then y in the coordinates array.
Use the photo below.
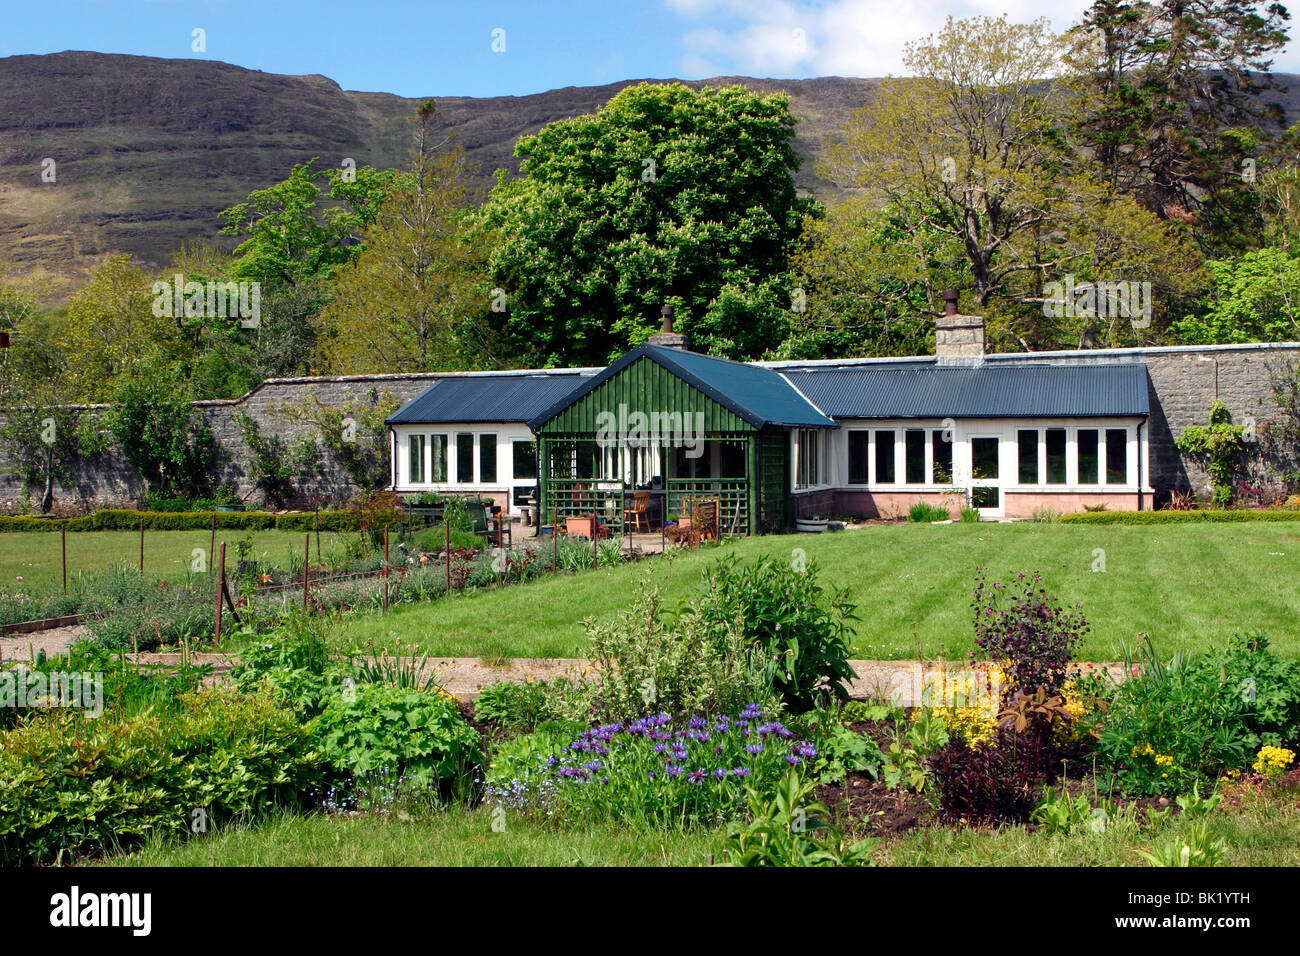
{"type": "Point", "coordinates": [981, 391]}
{"type": "Point", "coordinates": [758, 395]}
{"type": "Point", "coordinates": [489, 398]}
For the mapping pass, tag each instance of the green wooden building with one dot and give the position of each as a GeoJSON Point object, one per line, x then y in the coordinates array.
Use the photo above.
{"type": "Point", "coordinates": [681, 426]}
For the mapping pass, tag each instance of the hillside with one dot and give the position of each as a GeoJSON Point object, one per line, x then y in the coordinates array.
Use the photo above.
{"type": "Point", "coordinates": [148, 150]}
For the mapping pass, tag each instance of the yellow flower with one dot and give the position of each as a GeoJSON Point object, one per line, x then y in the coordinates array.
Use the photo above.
{"type": "Point", "coordinates": [1273, 761]}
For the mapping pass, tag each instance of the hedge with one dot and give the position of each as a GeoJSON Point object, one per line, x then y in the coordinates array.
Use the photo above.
{"type": "Point", "coordinates": [114, 519]}
{"type": "Point", "coordinates": [1175, 517]}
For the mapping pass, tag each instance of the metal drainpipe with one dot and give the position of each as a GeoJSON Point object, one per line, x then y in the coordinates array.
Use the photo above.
{"type": "Point", "coordinates": [1141, 483]}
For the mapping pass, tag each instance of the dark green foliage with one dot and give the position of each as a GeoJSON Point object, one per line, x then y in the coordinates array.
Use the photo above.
{"type": "Point", "coordinates": [1185, 722]}
{"type": "Point", "coordinates": [515, 708]}
{"type": "Point", "coordinates": [800, 631]}
{"type": "Point", "coordinates": [72, 785]}
{"type": "Point", "coordinates": [1175, 517]}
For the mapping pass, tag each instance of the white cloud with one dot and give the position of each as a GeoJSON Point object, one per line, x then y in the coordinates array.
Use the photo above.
{"type": "Point", "coordinates": [840, 37]}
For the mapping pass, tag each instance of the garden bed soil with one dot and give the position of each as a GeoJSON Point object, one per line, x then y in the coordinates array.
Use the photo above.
{"type": "Point", "coordinates": [866, 807]}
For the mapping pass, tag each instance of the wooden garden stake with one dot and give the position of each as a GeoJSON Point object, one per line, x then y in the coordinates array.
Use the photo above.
{"type": "Point", "coordinates": [63, 540]}
{"type": "Point", "coordinates": [306, 557]}
{"type": "Point", "coordinates": [595, 537]}
{"type": "Point", "coordinates": [141, 545]}
{"type": "Point", "coordinates": [221, 587]}
{"type": "Point", "coordinates": [446, 551]}
{"type": "Point", "coordinates": [384, 572]}
{"type": "Point", "coordinates": [555, 537]}
{"type": "Point", "coordinates": [316, 525]}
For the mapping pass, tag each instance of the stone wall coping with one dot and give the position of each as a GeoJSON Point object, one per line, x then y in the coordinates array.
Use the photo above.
{"type": "Point", "coordinates": [1136, 352]}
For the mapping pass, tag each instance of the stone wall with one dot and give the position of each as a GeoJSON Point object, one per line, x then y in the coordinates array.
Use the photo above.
{"type": "Point", "coordinates": [1183, 380]}
{"type": "Point", "coordinates": [107, 480]}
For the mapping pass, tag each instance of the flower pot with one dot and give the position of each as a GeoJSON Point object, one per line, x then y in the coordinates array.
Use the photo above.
{"type": "Point", "coordinates": [810, 525]}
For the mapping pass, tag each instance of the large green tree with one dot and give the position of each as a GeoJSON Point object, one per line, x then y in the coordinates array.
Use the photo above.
{"type": "Point", "coordinates": [665, 195]}
{"type": "Point", "coordinates": [1177, 109]}
{"type": "Point", "coordinates": [417, 297]}
{"type": "Point", "coordinates": [971, 159]}
{"type": "Point", "coordinates": [296, 235]}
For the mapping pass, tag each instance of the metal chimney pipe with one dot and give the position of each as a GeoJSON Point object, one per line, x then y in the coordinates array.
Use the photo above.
{"type": "Point", "coordinates": [950, 297]}
{"type": "Point", "coordinates": [667, 313]}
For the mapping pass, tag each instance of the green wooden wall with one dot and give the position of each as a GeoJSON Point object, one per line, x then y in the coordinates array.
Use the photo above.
{"type": "Point", "coordinates": [643, 386]}
{"type": "Point", "coordinates": [774, 479]}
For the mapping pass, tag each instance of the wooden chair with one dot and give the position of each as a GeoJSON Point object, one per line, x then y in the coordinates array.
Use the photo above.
{"type": "Point", "coordinates": [639, 513]}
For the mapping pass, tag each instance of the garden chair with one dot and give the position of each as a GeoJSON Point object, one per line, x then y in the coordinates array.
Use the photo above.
{"type": "Point", "coordinates": [639, 513]}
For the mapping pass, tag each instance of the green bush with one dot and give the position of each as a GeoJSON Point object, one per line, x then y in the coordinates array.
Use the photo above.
{"type": "Point", "coordinates": [434, 539]}
{"type": "Point", "coordinates": [691, 665]}
{"type": "Point", "coordinates": [311, 521]}
{"type": "Point", "coordinates": [515, 708]}
{"type": "Point", "coordinates": [801, 632]}
{"type": "Point", "coordinates": [417, 735]}
{"type": "Point", "coordinates": [1182, 724]}
{"type": "Point", "coordinates": [1174, 517]}
{"type": "Point", "coordinates": [71, 785]}
{"type": "Point", "coordinates": [923, 511]}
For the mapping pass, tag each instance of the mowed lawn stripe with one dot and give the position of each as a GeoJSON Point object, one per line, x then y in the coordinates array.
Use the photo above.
{"type": "Point", "coordinates": [1187, 586]}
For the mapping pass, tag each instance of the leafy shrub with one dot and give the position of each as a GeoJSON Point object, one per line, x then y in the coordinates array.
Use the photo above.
{"type": "Point", "coordinates": [515, 708]}
{"type": "Point", "coordinates": [1175, 517]}
{"type": "Point", "coordinates": [923, 511]}
{"type": "Point", "coordinates": [653, 770]}
{"type": "Point", "coordinates": [788, 829]}
{"type": "Point", "coordinates": [843, 751]}
{"type": "Point", "coordinates": [690, 665]}
{"type": "Point", "coordinates": [907, 764]}
{"type": "Point", "coordinates": [414, 734]}
{"type": "Point", "coordinates": [434, 539]}
{"type": "Point", "coordinates": [993, 782]}
{"type": "Point", "coordinates": [801, 632]}
{"type": "Point", "coordinates": [1025, 628]}
{"type": "Point", "coordinates": [1181, 724]}
{"type": "Point", "coordinates": [70, 786]}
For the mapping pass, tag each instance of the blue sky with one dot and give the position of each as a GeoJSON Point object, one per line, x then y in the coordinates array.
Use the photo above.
{"type": "Point", "coordinates": [440, 48]}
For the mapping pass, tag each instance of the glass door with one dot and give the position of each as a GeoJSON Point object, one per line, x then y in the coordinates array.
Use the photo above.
{"type": "Point", "coordinates": [986, 488]}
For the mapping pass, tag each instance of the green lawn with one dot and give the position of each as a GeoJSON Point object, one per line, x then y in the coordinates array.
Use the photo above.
{"type": "Point", "coordinates": [1260, 833]}
{"type": "Point", "coordinates": [1187, 585]}
{"type": "Point", "coordinates": [34, 555]}
{"type": "Point", "coordinates": [450, 838]}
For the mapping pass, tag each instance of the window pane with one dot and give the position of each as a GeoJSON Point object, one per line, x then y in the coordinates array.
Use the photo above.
{"type": "Point", "coordinates": [984, 458]}
{"type": "Point", "coordinates": [942, 452]}
{"type": "Point", "coordinates": [914, 455]}
{"type": "Point", "coordinates": [464, 457]}
{"type": "Point", "coordinates": [439, 470]}
{"type": "Point", "coordinates": [1028, 440]}
{"type": "Point", "coordinates": [415, 459]}
{"type": "Point", "coordinates": [885, 458]}
{"type": "Point", "coordinates": [1056, 456]}
{"type": "Point", "coordinates": [985, 496]}
{"type": "Point", "coordinates": [1088, 456]}
{"type": "Point", "coordinates": [858, 457]}
{"type": "Point", "coordinates": [487, 458]}
{"type": "Point", "coordinates": [1116, 456]}
{"type": "Point", "coordinates": [525, 459]}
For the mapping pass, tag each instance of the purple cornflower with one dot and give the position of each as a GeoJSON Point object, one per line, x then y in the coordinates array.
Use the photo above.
{"type": "Point", "coordinates": [719, 773]}
{"type": "Point", "coordinates": [740, 772]}
{"type": "Point", "coordinates": [755, 748]}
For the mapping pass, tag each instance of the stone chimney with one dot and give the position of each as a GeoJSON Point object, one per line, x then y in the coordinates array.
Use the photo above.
{"type": "Point", "coordinates": [958, 339]}
{"type": "Point", "coordinates": [667, 337]}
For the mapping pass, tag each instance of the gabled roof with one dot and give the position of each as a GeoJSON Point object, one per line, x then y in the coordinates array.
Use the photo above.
{"type": "Point", "coordinates": [988, 390]}
{"type": "Point", "coordinates": [489, 396]}
{"type": "Point", "coordinates": [760, 396]}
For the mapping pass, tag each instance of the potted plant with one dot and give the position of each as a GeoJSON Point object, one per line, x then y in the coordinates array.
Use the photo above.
{"type": "Point", "coordinates": [227, 498]}
{"type": "Point", "coordinates": [813, 524]}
